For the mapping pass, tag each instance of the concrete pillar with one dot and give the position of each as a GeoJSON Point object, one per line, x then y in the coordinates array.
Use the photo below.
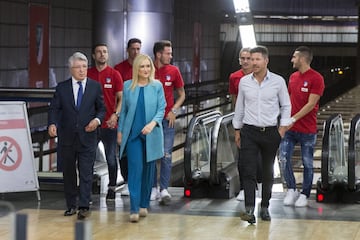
{"type": "Point", "coordinates": [108, 27]}
{"type": "Point", "coordinates": [116, 21]}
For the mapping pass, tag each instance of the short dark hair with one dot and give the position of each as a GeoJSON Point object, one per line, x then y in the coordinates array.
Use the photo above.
{"type": "Point", "coordinates": [260, 49]}
{"type": "Point", "coordinates": [305, 52]}
{"type": "Point", "coordinates": [98, 45]}
{"type": "Point", "coordinates": [160, 45]}
{"type": "Point", "coordinates": [133, 40]}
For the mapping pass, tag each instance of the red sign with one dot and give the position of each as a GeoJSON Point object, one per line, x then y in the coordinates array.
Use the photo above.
{"type": "Point", "coordinates": [10, 154]}
{"type": "Point", "coordinates": [38, 46]}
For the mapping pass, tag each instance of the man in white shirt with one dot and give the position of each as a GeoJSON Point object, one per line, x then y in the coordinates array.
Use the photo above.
{"type": "Point", "coordinates": [262, 98]}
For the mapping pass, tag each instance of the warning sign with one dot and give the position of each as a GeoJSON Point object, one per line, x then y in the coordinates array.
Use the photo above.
{"type": "Point", "coordinates": [10, 154]}
{"type": "Point", "coordinates": [17, 165]}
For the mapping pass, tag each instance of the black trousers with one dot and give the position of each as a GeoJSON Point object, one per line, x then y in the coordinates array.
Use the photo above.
{"type": "Point", "coordinates": [257, 141]}
{"type": "Point", "coordinates": [124, 167]}
{"type": "Point", "coordinates": [258, 174]}
{"type": "Point", "coordinates": [81, 158]}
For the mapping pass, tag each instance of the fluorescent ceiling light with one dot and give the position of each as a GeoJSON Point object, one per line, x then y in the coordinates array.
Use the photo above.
{"type": "Point", "coordinates": [247, 36]}
{"type": "Point", "coordinates": [241, 6]}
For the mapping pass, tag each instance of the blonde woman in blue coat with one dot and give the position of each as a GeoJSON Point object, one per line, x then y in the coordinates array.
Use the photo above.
{"type": "Point", "coordinates": [140, 132]}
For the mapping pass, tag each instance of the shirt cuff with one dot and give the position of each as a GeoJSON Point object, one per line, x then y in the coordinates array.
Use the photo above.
{"type": "Point", "coordinates": [286, 122]}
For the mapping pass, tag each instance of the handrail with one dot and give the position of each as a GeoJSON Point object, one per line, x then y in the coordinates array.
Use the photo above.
{"type": "Point", "coordinates": [325, 149]}
{"type": "Point", "coordinates": [188, 141]}
{"type": "Point", "coordinates": [223, 120]}
{"type": "Point", "coordinates": [26, 94]}
{"type": "Point", "coordinates": [352, 152]}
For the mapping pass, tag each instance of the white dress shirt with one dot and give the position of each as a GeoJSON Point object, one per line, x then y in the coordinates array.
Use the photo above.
{"type": "Point", "coordinates": [261, 104]}
{"type": "Point", "coordinates": [76, 87]}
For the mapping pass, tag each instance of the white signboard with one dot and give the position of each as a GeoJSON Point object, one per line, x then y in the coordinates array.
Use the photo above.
{"type": "Point", "coordinates": [17, 165]}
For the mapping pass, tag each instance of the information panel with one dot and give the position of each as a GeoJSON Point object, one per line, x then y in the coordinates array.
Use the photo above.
{"type": "Point", "coordinates": [17, 165]}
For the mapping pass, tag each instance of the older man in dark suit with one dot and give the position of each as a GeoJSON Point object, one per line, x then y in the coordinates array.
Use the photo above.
{"type": "Point", "coordinates": [76, 111]}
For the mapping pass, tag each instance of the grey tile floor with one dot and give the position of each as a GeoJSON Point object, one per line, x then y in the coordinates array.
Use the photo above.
{"type": "Point", "coordinates": [202, 207]}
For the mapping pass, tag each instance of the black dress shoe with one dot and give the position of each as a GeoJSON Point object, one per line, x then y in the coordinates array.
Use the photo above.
{"type": "Point", "coordinates": [110, 196]}
{"type": "Point", "coordinates": [83, 213]}
{"type": "Point", "coordinates": [264, 214]}
{"type": "Point", "coordinates": [70, 212]}
{"type": "Point", "coordinates": [248, 216]}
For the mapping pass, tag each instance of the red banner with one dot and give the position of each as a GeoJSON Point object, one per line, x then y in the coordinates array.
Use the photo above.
{"type": "Point", "coordinates": [38, 46]}
{"type": "Point", "coordinates": [195, 78]}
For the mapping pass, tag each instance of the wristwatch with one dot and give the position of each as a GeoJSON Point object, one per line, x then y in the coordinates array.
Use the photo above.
{"type": "Point", "coordinates": [293, 120]}
{"type": "Point", "coordinates": [117, 114]}
{"type": "Point", "coordinates": [173, 110]}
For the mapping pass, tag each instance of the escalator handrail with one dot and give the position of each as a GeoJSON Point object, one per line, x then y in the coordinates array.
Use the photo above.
{"type": "Point", "coordinates": [214, 175]}
{"type": "Point", "coordinates": [355, 121]}
{"type": "Point", "coordinates": [325, 149]}
{"type": "Point", "coordinates": [188, 141]}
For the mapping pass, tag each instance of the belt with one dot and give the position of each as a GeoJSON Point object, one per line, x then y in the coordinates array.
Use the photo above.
{"type": "Point", "coordinates": [261, 129]}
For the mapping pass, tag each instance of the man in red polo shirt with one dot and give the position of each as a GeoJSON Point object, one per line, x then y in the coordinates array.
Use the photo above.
{"type": "Point", "coordinates": [234, 79]}
{"type": "Point", "coordinates": [172, 80]}
{"type": "Point", "coordinates": [112, 86]}
{"type": "Point", "coordinates": [306, 86]}
{"type": "Point", "coordinates": [125, 67]}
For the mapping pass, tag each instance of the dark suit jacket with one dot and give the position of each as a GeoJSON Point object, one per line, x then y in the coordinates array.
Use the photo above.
{"type": "Point", "coordinates": [71, 121]}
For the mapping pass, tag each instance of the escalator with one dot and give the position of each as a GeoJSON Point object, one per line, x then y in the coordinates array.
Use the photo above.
{"type": "Point", "coordinates": [340, 176]}
{"type": "Point", "coordinates": [210, 157]}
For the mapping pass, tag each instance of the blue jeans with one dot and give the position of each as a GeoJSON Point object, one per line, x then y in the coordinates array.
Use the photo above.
{"type": "Point", "coordinates": [307, 142]}
{"type": "Point", "coordinates": [166, 161]}
{"type": "Point", "coordinates": [108, 137]}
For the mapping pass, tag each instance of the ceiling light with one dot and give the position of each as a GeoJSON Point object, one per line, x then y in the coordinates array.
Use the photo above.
{"type": "Point", "coordinates": [241, 6]}
{"type": "Point", "coordinates": [247, 35]}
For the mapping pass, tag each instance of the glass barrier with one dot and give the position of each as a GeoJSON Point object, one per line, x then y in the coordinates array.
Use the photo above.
{"type": "Point", "coordinates": [357, 151]}
{"type": "Point", "coordinates": [197, 146]}
{"type": "Point", "coordinates": [333, 162]}
{"type": "Point", "coordinates": [223, 147]}
{"type": "Point", "coordinates": [337, 160]}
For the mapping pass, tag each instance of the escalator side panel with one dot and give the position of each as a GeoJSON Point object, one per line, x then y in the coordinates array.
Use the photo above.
{"type": "Point", "coordinates": [188, 148]}
{"type": "Point", "coordinates": [340, 186]}
{"type": "Point", "coordinates": [326, 152]}
{"type": "Point", "coordinates": [352, 152]}
{"type": "Point", "coordinates": [229, 183]}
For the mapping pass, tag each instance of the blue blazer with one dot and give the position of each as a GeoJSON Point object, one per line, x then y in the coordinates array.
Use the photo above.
{"type": "Point", "coordinates": [154, 110]}
{"type": "Point", "coordinates": [71, 121]}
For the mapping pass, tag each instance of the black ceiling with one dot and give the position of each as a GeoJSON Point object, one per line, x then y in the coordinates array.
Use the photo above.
{"type": "Point", "coordinates": [338, 9]}
{"type": "Point", "coordinates": [304, 7]}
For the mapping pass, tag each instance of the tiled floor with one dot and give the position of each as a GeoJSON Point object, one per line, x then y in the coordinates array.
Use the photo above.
{"type": "Point", "coordinates": [184, 219]}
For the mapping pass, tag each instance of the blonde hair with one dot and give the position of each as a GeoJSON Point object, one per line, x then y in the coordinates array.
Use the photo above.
{"type": "Point", "coordinates": [136, 66]}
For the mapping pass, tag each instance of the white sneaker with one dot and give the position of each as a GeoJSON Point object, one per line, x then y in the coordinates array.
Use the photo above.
{"type": "Point", "coordinates": [259, 190]}
{"type": "Point", "coordinates": [125, 190]}
{"type": "Point", "coordinates": [240, 196]}
{"type": "Point", "coordinates": [165, 197]}
{"type": "Point", "coordinates": [155, 194]}
{"type": "Point", "coordinates": [291, 197]}
{"type": "Point", "coordinates": [301, 201]}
